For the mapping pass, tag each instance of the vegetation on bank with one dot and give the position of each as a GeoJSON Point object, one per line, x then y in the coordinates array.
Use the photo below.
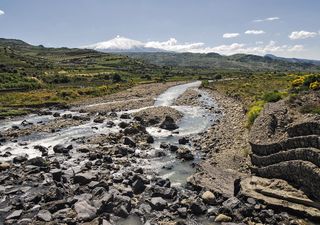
{"type": "Point", "coordinates": [256, 90]}
{"type": "Point", "coordinates": [35, 76]}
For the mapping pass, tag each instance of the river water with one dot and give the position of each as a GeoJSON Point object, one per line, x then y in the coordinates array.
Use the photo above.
{"type": "Point", "coordinates": [195, 120]}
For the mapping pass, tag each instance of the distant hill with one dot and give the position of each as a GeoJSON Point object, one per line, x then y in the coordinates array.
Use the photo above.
{"type": "Point", "coordinates": [219, 62]}
{"type": "Point", "coordinates": [27, 67]}
{"type": "Point", "coordinates": [294, 60]}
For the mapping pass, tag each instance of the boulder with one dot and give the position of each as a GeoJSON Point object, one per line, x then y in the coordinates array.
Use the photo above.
{"type": "Point", "coordinates": [185, 153]}
{"type": "Point", "coordinates": [121, 211]}
{"type": "Point", "coordinates": [44, 215]}
{"type": "Point", "coordinates": [37, 161]}
{"type": "Point", "coordinates": [150, 139]}
{"type": "Point", "coordinates": [128, 141]}
{"type": "Point", "coordinates": [222, 218]}
{"type": "Point", "coordinates": [125, 116]}
{"type": "Point", "coordinates": [158, 203]}
{"type": "Point", "coordinates": [20, 159]}
{"type": "Point", "coordinates": [98, 120]}
{"type": "Point", "coordinates": [168, 124]}
{"type": "Point", "coordinates": [84, 178]}
{"type": "Point", "coordinates": [84, 210]}
{"type": "Point", "coordinates": [62, 149]}
{"type": "Point", "coordinates": [197, 207]}
{"type": "Point", "coordinates": [208, 197]}
{"type": "Point", "coordinates": [183, 141]}
{"type": "Point", "coordinates": [110, 124]}
{"type": "Point", "coordinates": [138, 186]}
{"type": "Point", "coordinates": [14, 215]}
{"type": "Point", "coordinates": [123, 125]}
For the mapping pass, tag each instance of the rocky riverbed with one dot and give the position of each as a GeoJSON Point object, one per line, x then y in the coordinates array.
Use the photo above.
{"type": "Point", "coordinates": [119, 160]}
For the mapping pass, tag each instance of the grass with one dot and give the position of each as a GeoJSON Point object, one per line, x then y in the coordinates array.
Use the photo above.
{"type": "Point", "coordinates": [254, 91]}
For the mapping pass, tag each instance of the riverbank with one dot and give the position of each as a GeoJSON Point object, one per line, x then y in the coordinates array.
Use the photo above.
{"type": "Point", "coordinates": [115, 167]}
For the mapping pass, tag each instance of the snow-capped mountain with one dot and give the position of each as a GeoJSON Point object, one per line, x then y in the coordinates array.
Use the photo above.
{"type": "Point", "coordinates": [122, 44]}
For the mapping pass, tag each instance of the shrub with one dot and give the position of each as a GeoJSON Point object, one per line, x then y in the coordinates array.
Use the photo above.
{"type": "Point", "coordinates": [315, 85]}
{"type": "Point", "coordinates": [297, 82]}
{"type": "Point", "coordinates": [272, 96]}
{"type": "Point", "coordinates": [68, 94]}
{"type": "Point", "coordinates": [254, 112]}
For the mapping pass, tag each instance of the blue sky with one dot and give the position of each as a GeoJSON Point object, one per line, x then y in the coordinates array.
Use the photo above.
{"type": "Point", "coordinates": [282, 27]}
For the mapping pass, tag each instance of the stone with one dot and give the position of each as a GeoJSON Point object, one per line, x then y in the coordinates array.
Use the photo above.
{"type": "Point", "coordinates": [123, 125]}
{"type": "Point", "coordinates": [197, 207]}
{"type": "Point", "coordinates": [14, 215]}
{"type": "Point", "coordinates": [128, 141]}
{"type": "Point", "coordinates": [231, 203]}
{"type": "Point", "coordinates": [121, 211]}
{"type": "Point", "coordinates": [110, 124]}
{"type": "Point", "coordinates": [208, 197]}
{"type": "Point", "coordinates": [84, 178]}
{"type": "Point", "coordinates": [98, 120]}
{"type": "Point", "coordinates": [44, 215]}
{"type": "Point", "coordinates": [56, 114]}
{"type": "Point", "coordinates": [19, 159]}
{"type": "Point", "coordinates": [222, 218]}
{"type": "Point", "coordinates": [37, 161]}
{"type": "Point", "coordinates": [4, 166]}
{"type": "Point", "coordinates": [183, 141]}
{"type": "Point", "coordinates": [150, 139]}
{"type": "Point", "coordinates": [169, 124]}
{"type": "Point", "coordinates": [125, 116]}
{"type": "Point", "coordinates": [158, 203]}
{"type": "Point", "coordinates": [138, 186]}
{"type": "Point", "coordinates": [56, 174]}
{"type": "Point", "coordinates": [62, 149]}
{"type": "Point", "coordinates": [183, 213]}
{"type": "Point", "coordinates": [185, 153]}
{"type": "Point", "coordinates": [173, 148]}
{"type": "Point", "coordinates": [166, 193]}
{"type": "Point", "coordinates": [84, 210]}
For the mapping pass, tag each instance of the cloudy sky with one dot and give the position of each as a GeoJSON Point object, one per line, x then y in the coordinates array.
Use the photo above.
{"type": "Point", "coordinates": [288, 28]}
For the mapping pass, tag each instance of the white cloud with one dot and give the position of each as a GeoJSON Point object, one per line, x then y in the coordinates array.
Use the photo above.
{"type": "Point", "coordinates": [296, 35]}
{"type": "Point", "coordinates": [1, 12]}
{"type": "Point", "coordinates": [235, 48]}
{"type": "Point", "coordinates": [230, 35]}
{"type": "Point", "coordinates": [172, 45]}
{"type": "Point", "coordinates": [259, 48]}
{"type": "Point", "coordinates": [267, 19]}
{"type": "Point", "coordinates": [255, 32]}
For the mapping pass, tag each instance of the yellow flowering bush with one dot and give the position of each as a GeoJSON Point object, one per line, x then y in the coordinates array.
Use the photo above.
{"type": "Point", "coordinates": [298, 81]}
{"type": "Point", "coordinates": [315, 85]}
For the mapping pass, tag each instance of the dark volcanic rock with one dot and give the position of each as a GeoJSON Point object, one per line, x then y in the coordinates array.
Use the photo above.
{"type": "Point", "coordinates": [185, 153]}
{"type": "Point", "coordinates": [128, 141]}
{"type": "Point", "coordinates": [37, 161]}
{"type": "Point", "coordinates": [138, 186]}
{"type": "Point", "coordinates": [20, 159]}
{"type": "Point", "coordinates": [62, 149]}
{"type": "Point", "coordinates": [169, 124]}
{"type": "Point", "coordinates": [158, 203]}
{"type": "Point", "coordinates": [84, 210]}
{"type": "Point", "coordinates": [84, 178]}
{"type": "Point", "coordinates": [183, 141]}
{"type": "Point", "coordinates": [125, 116]}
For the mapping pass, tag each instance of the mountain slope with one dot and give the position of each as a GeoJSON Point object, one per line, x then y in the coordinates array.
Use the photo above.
{"type": "Point", "coordinates": [294, 60]}
{"type": "Point", "coordinates": [215, 61]}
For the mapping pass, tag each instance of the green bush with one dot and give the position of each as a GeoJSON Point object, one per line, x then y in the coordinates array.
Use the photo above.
{"type": "Point", "coordinates": [254, 112]}
{"type": "Point", "coordinates": [272, 96]}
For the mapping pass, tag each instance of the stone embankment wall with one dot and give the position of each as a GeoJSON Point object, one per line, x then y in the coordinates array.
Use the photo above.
{"type": "Point", "coordinates": [286, 145]}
